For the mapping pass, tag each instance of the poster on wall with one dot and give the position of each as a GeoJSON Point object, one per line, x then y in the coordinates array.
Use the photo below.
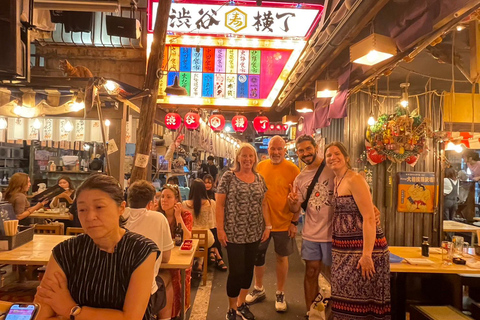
{"type": "Point", "coordinates": [416, 191]}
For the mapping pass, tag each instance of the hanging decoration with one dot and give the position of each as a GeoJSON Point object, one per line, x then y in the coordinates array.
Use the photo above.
{"type": "Point", "coordinates": [239, 123]}
{"type": "Point", "coordinates": [260, 124]}
{"type": "Point", "coordinates": [216, 122]}
{"type": "Point", "coordinates": [400, 136]}
{"type": "Point", "coordinates": [173, 121]}
{"type": "Point", "coordinates": [192, 120]}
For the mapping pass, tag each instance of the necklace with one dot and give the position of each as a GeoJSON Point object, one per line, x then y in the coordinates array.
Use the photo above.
{"type": "Point", "coordinates": [339, 182]}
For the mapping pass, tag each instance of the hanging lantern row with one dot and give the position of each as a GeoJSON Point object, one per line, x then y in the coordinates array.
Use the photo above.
{"type": "Point", "coordinates": [217, 122]}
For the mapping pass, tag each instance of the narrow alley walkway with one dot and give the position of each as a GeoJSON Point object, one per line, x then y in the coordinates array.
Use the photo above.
{"type": "Point", "coordinates": [264, 310]}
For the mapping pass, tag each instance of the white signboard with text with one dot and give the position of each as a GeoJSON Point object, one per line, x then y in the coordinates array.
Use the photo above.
{"type": "Point", "coordinates": [240, 20]}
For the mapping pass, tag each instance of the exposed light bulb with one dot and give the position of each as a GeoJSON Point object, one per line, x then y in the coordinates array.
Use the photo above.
{"type": "Point", "coordinates": [222, 135]}
{"type": "Point", "coordinates": [86, 147]}
{"type": "Point", "coordinates": [404, 103]}
{"type": "Point", "coordinates": [450, 146]}
{"type": "Point", "coordinates": [77, 106]}
{"type": "Point", "coordinates": [458, 148]}
{"type": "Point", "coordinates": [3, 123]}
{"type": "Point", "coordinates": [107, 123]}
{"type": "Point", "coordinates": [371, 121]}
{"type": "Point", "coordinates": [111, 85]}
{"type": "Point", "coordinates": [37, 124]}
{"type": "Point", "coordinates": [228, 129]}
{"type": "Point", "coordinates": [68, 126]}
{"type": "Point", "coordinates": [460, 28]}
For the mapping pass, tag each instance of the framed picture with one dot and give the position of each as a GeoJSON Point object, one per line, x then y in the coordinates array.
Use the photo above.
{"type": "Point", "coordinates": [164, 165]}
{"type": "Point", "coordinates": [416, 192]}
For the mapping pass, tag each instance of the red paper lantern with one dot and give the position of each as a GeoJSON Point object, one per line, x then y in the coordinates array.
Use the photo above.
{"type": "Point", "coordinates": [260, 123]}
{"type": "Point", "coordinates": [279, 127]}
{"type": "Point", "coordinates": [374, 157]}
{"type": "Point", "coordinates": [173, 121]}
{"type": "Point", "coordinates": [192, 120]}
{"type": "Point", "coordinates": [285, 127]}
{"type": "Point", "coordinates": [239, 123]}
{"type": "Point", "coordinates": [216, 122]}
{"type": "Point", "coordinates": [272, 127]}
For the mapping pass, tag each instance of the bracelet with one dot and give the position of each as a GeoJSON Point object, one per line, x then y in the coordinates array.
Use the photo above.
{"type": "Point", "coordinates": [268, 227]}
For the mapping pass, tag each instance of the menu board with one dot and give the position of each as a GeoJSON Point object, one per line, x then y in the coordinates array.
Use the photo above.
{"type": "Point", "coordinates": [221, 72]}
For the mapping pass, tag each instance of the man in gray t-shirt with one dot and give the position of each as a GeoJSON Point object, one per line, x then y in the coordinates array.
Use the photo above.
{"type": "Point", "coordinates": [317, 230]}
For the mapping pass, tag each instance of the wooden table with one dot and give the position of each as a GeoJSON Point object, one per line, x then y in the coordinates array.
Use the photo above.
{"type": "Point", "coordinates": [183, 262]}
{"type": "Point", "coordinates": [5, 306]}
{"type": "Point", "coordinates": [51, 215]}
{"type": "Point", "coordinates": [455, 226]}
{"type": "Point", "coordinates": [438, 267]}
{"type": "Point", "coordinates": [401, 270]}
{"type": "Point", "coordinates": [36, 252]}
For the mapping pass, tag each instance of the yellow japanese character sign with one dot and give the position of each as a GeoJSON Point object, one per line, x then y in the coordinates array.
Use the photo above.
{"type": "Point", "coordinates": [236, 20]}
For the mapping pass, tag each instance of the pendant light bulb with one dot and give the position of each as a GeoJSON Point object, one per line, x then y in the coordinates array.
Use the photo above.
{"type": "Point", "coordinates": [37, 124]}
{"type": "Point", "coordinates": [371, 121]}
{"type": "Point", "coordinates": [3, 123]}
{"type": "Point", "coordinates": [68, 126]}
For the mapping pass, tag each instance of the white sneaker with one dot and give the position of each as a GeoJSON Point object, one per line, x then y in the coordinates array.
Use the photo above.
{"type": "Point", "coordinates": [280, 303]}
{"type": "Point", "coordinates": [257, 295]}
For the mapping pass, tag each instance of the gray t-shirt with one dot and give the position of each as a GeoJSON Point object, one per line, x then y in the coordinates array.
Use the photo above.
{"type": "Point", "coordinates": [319, 215]}
{"type": "Point", "coordinates": [243, 220]}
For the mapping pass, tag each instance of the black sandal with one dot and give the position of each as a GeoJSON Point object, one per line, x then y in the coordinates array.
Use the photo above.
{"type": "Point", "coordinates": [220, 265]}
{"type": "Point", "coordinates": [211, 258]}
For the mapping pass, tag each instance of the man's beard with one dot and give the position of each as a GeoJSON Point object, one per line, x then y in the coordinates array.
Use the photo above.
{"type": "Point", "coordinates": [314, 156]}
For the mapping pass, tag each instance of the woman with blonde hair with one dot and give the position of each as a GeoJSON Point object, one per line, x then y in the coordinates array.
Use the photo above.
{"type": "Point", "coordinates": [242, 222]}
{"type": "Point", "coordinates": [16, 194]}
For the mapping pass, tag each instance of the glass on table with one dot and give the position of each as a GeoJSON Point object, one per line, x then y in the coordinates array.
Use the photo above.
{"type": "Point", "coordinates": [465, 248]}
{"type": "Point", "coordinates": [63, 207]}
{"type": "Point", "coordinates": [457, 246]}
{"type": "Point", "coordinates": [447, 252]}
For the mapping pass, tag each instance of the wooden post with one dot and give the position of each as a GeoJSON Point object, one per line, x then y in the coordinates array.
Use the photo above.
{"type": "Point", "coordinates": [149, 103]}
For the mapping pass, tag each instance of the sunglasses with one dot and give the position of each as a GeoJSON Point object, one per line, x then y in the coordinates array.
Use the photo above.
{"type": "Point", "coordinates": [172, 187]}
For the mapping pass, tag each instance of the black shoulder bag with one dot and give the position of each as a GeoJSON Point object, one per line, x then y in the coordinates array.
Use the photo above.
{"type": "Point", "coordinates": [312, 184]}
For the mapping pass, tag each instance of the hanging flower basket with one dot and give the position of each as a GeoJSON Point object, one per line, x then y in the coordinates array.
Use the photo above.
{"type": "Point", "coordinates": [398, 137]}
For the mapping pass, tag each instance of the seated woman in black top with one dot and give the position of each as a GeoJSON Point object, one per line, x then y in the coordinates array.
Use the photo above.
{"type": "Point", "coordinates": [107, 272]}
{"type": "Point", "coordinates": [67, 196]}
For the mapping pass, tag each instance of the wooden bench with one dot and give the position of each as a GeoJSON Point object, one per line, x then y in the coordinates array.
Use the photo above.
{"type": "Point", "coordinates": [436, 313]}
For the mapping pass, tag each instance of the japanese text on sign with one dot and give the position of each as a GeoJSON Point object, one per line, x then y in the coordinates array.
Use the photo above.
{"type": "Point", "coordinates": [242, 20]}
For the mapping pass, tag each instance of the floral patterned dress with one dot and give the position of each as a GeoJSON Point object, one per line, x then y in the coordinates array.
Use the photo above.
{"type": "Point", "coordinates": [354, 297]}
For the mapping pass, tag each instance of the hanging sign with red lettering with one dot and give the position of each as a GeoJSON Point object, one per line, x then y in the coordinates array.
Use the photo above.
{"type": "Point", "coordinates": [239, 123]}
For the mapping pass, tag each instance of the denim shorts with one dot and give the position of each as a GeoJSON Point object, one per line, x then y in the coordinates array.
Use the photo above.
{"type": "Point", "coordinates": [314, 251]}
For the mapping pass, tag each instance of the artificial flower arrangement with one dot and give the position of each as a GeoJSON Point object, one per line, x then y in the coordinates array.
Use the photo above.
{"type": "Point", "coordinates": [398, 137]}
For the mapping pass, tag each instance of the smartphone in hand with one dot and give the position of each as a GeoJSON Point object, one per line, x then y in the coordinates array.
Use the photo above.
{"type": "Point", "coordinates": [22, 311]}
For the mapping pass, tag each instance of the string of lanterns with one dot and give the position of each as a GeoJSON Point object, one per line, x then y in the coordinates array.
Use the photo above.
{"type": "Point", "coordinates": [217, 122]}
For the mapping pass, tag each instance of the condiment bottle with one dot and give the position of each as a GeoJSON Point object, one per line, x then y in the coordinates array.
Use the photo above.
{"type": "Point", "coordinates": [178, 235]}
{"type": "Point", "coordinates": [425, 246]}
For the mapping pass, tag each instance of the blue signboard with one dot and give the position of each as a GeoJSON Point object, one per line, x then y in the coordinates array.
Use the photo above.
{"type": "Point", "coordinates": [185, 59]}
{"type": "Point", "coordinates": [207, 85]}
{"type": "Point", "coordinates": [242, 86]}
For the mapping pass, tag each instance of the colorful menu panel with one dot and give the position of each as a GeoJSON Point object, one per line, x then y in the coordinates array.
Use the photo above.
{"type": "Point", "coordinates": [212, 72]}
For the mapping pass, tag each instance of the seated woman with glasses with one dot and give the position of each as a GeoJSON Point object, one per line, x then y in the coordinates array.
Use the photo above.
{"type": "Point", "coordinates": [171, 207]}
{"type": "Point", "coordinates": [105, 273]}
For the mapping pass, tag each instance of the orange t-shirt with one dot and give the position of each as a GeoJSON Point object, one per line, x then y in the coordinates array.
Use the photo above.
{"type": "Point", "coordinates": [278, 177]}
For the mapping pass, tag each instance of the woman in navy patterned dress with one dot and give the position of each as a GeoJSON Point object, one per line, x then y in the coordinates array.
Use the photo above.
{"type": "Point", "coordinates": [360, 258]}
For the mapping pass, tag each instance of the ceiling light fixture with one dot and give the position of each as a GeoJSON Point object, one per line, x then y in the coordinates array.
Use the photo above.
{"type": "Point", "coordinates": [304, 106]}
{"type": "Point", "coordinates": [326, 88]}
{"type": "Point", "coordinates": [404, 87]}
{"type": "Point", "coordinates": [290, 119]}
{"type": "Point", "coordinates": [37, 124]}
{"type": "Point", "coordinates": [68, 126]}
{"type": "Point", "coordinates": [373, 49]}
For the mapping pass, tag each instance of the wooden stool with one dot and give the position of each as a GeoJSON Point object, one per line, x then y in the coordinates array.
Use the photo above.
{"type": "Point", "coordinates": [436, 313]}
{"type": "Point", "coordinates": [202, 250]}
{"type": "Point", "coordinates": [73, 231]}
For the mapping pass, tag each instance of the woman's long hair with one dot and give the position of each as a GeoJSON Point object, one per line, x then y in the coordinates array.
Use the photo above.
{"type": "Point", "coordinates": [198, 192]}
{"type": "Point", "coordinates": [17, 184]}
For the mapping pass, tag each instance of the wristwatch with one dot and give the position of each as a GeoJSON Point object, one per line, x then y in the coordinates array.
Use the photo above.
{"type": "Point", "coordinates": [75, 312]}
{"type": "Point", "coordinates": [295, 223]}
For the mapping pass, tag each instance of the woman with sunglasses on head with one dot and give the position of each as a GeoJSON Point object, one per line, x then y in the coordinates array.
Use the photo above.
{"type": "Point", "coordinates": [171, 206]}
